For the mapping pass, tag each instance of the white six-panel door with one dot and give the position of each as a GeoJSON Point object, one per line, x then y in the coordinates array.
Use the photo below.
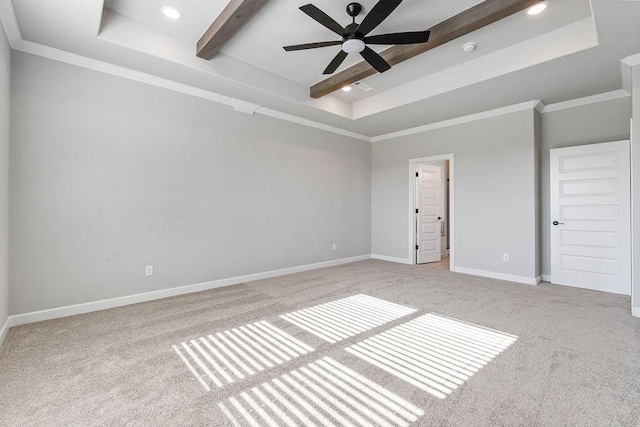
{"type": "Point", "coordinates": [429, 199]}
{"type": "Point", "coordinates": [590, 215]}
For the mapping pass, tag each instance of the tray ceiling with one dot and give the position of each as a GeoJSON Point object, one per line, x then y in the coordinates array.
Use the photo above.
{"type": "Point", "coordinates": [254, 67]}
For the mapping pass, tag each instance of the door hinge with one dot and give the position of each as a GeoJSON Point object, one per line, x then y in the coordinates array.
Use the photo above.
{"type": "Point", "coordinates": [417, 247]}
{"type": "Point", "coordinates": [417, 174]}
{"type": "Point", "coordinates": [417, 211]}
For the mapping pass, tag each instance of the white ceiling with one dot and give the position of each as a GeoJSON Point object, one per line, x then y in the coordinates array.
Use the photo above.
{"type": "Point", "coordinates": [197, 15]}
{"type": "Point", "coordinates": [571, 50]}
{"type": "Point", "coordinates": [281, 23]}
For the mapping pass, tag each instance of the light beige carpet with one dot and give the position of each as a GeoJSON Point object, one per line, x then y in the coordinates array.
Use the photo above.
{"type": "Point", "coordinates": [534, 355]}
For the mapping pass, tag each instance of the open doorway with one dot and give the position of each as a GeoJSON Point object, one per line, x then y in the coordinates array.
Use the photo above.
{"type": "Point", "coordinates": [431, 211]}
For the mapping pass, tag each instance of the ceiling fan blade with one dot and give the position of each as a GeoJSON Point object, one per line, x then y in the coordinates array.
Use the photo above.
{"type": "Point", "coordinates": [333, 65]}
{"type": "Point", "coordinates": [323, 18]}
{"type": "Point", "coordinates": [399, 38]}
{"type": "Point", "coordinates": [379, 13]}
{"type": "Point", "coordinates": [375, 60]}
{"type": "Point", "coordinates": [311, 45]}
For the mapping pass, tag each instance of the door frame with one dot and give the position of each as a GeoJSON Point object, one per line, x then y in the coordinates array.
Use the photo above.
{"type": "Point", "coordinates": [634, 273]}
{"type": "Point", "coordinates": [412, 205]}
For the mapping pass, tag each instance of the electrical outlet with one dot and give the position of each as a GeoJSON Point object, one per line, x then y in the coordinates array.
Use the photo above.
{"type": "Point", "coordinates": [334, 247]}
{"type": "Point", "coordinates": [505, 257]}
{"type": "Point", "coordinates": [148, 270]}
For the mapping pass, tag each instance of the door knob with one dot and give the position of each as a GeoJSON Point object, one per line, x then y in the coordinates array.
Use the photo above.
{"type": "Point", "coordinates": [557, 223]}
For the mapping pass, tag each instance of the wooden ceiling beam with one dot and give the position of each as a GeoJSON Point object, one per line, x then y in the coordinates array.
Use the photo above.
{"type": "Point", "coordinates": [459, 25]}
{"type": "Point", "coordinates": [232, 18]}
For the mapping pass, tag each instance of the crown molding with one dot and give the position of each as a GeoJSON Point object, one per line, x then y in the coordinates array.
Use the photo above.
{"type": "Point", "coordinates": [587, 100]}
{"type": "Point", "coordinates": [539, 106]}
{"type": "Point", "coordinates": [17, 43]}
{"type": "Point", "coordinates": [10, 23]}
{"type": "Point", "coordinates": [239, 105]}
{"type": "Point", "coordinates": [631, 60]}
{"type": "Point", "coordinates": [304, 122]}
{"type": "Point", "coordinates": [245, 107]}
{"type": "Point", "coordinates": [529, 105]}
{"type": "Point", "coordinates": [12, 31]}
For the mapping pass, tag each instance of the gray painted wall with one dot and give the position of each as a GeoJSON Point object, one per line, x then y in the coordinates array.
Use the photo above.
{"type": "Point", "coordinates": [5, 83]}
{"type": "Point", "coordinates": [495, 192]}
{"type": "Point", "coordinates": [110, 175]}
{"type": "Point", "coordinates": [602, 122]}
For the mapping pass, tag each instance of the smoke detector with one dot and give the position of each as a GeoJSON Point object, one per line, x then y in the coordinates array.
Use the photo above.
{"type": "Point", "coordinates": [469, 47]}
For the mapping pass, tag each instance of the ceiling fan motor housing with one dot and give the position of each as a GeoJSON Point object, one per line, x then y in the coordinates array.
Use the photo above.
{"type": "Point", "coordinates": [354, 9]}
{"type": "Point", "coordinates": [351, 32]}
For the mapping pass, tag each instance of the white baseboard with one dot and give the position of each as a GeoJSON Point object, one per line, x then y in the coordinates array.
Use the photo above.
{"type": "Point", "coordinates": [499, 276]}
{"type": "Point", "coordinates": [4, 331]}
{"type": "Point", "coordinates": [546, 278]}
{"type": "Point", "coordinates": [72, 310]}
{"type": "Point", "coordinates": [392, 259]}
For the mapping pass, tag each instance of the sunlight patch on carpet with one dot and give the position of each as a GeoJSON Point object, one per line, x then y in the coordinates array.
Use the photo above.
{"type": "Point", "coordinates": [434, 353]}
{"type": "Point", "coordinates": [338, 320]}
{"type": "Point", "coordinates": [323, 393]}
{"type": "Point", "coordinates": [223, 358]}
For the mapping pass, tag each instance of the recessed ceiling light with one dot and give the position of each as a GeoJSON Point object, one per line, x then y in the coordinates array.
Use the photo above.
{"type": "Point", "coordinates": [347, 89]}
{"type": "Point", "coordinates": [538, 8]}
{"type": "Point", "coordinates": [171, 12]}
{"type": "Point", "coordinates": [469, 47]}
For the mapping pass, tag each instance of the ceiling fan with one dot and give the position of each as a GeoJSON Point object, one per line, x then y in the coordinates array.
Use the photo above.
{"type": "Point", "coordinates": [354, 36]}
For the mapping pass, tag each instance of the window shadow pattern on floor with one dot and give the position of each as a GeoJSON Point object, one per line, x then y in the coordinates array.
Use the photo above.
{"type": "Point", "coordinates": [347, 317]}
{"type": "Point", "coordinates": [225, 357]}
{"type": "Point", "coordinates": [322, 393]}
{"type": "Point", "coordinates": [434, 353]}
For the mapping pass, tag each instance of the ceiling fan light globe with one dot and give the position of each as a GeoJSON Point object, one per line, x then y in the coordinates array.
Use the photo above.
{"type": "Point", "coordinates": [353, 46]}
